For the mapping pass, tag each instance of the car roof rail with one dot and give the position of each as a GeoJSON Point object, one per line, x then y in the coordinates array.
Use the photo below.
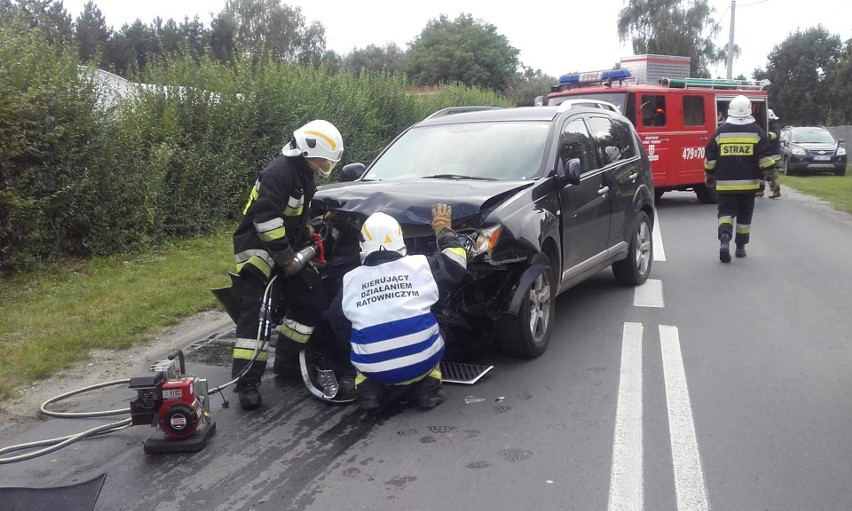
{"type": "Point", "coordinates": [459, 110]}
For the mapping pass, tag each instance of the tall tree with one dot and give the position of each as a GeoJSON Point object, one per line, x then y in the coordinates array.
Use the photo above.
{"type": "Point", "coordinates": [50, 16]}
{"type": "Point", "coordinates": [130, 47]}
{"type": "Point", "coordinates": [463, 50]}
{"type": "Point", "coordinates": [839, 83]}
{"type": "Point", "coordinates": [267, 29]}
{"type": "Point", "coordinates": [672, 27]}
{"type": "Point", "coordinates": [526, 86]}
{"type": "Point", "coordinates": [375, 59]}
{"type": "Point", "coordinates": [195, 34]}
{"type": "Point", "coordinates": [91, 31]}
{"type": "Point", "coordinates": [798, 68]}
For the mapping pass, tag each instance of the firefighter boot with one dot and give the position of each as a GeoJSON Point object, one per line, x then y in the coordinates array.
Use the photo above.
{"type": "Point", "coordinates": [249, 395]}
{"type": "Point", "coordinates": [760, 190]}
{"type": "Point", "coordinates": [369, 394]}
{"type": "Point", "coordinates": [286, 365]}
{"type": "Point", "coordinates": [428, 393]}
{"type": "Point", "coordinates": [776, 191]}
{"type": "Point", "coordinates": [725, 247]}
{"type": "Point", "coordinates": [740, 252]}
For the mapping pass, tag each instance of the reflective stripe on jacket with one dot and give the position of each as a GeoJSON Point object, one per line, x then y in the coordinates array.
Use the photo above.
{"type": "Point", "coordinates": [736, 155]}
{"type": "Point", "coordinates": [275, 216]}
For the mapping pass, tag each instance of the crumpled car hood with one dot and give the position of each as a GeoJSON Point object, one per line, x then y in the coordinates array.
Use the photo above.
{"type": "Point", "coordinates": [411, 202]}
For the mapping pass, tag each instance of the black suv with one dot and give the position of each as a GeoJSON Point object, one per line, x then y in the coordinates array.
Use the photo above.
{"type": "Point", "coordinates": [542, 198]}
{"type": "Point", "coordinates": [811, 148]}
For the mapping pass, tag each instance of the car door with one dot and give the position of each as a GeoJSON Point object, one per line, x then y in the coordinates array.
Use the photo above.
{"type": "Point", "coordinates": [585, 206]}
{"type": "Point", "coordinates": [620, 161]}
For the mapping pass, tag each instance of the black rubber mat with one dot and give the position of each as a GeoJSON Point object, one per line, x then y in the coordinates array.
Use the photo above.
{"type": "Point", "coordinates": [76, 497]}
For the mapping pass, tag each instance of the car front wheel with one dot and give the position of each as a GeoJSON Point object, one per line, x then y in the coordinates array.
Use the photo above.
{"type": "Point", "coordinates": [634, 270]}
{"type": "Point", "coordinates": [526, 334]}
{"type": "Point", "coordinates": [787, 170]}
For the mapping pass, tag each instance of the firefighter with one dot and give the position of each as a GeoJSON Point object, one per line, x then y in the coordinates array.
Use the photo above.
{"type": "Point", "coordinates": [274, 226]}
{"type": "Point", "coordinates": [735, 158]}
{"type": "Point", "coordinates": [384, 312]}
{"type": "Point", "coordinates": [771, 174]}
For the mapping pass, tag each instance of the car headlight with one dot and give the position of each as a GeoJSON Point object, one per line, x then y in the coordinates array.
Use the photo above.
{"type": "Point", "coordinates": [841, 151]}
{"type": "Point", "coordinates": [485, 240]}
{"type": "Point", "coordinates": [798, 151]}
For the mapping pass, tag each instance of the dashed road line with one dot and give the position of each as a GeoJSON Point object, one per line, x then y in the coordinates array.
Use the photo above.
{"type": "Point", "coordinates": [657, 239]}
{"type": "Point", "coordinates": [690, 486]}
{"type": "Point", "coordinates": [626, 491]}
{"type": "Point", "coordinates": [649, 294]}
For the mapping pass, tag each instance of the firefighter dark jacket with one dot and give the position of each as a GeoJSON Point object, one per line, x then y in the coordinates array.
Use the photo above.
{"type": "Point", "coordinates": [275, 216]}
{"type": "Point", "coordinates": [736, 156]}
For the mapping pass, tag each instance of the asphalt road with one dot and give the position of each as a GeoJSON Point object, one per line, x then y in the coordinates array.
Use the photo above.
{"type": "Point", "coordinates": [712, 386]}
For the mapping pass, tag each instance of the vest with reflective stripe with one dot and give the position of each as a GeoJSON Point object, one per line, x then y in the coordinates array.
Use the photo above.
{"type": "Point", "coordinates": [395, 337]}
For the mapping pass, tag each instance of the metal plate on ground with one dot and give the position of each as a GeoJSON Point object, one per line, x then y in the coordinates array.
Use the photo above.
{"type": "Point", "coordinates": [464, 374]}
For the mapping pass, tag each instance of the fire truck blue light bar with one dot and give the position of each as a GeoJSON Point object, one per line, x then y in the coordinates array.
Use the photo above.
{"type": "Point", "coordinates": [595, 76]}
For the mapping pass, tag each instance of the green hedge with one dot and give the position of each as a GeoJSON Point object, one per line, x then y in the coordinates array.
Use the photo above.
{"type": "Point", "coordinates": [78, 179]}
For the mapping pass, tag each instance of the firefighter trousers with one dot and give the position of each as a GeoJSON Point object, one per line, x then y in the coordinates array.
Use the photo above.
{"type": "Point", "coordinates": [303, 300]}
{"type": "Point", "coordinates": [737, 207]}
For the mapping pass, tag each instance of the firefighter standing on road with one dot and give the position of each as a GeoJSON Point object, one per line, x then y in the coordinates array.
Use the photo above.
{"type": "Point", "coordinates": [274, 226]}
{"type": "Point", "coordinates": [771, 173]}
{"type": "Point", "coordinates": [384, 312]}
{"type": "Point", "coordinates": [736, 157]}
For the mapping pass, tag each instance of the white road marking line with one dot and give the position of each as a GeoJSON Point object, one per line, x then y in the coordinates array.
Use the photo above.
{"type": "Point", "coordinates": [626, 491]}
{"type": "Point", "coordinates": [657, 239]}
{"type": "Point", "coordinates": [649, 294]}
{"type": "Point", "coordinates": [690, 487]}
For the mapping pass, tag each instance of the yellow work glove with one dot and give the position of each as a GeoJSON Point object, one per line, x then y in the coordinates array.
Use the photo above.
{"type": "Point", "coordinates": [441, 217]}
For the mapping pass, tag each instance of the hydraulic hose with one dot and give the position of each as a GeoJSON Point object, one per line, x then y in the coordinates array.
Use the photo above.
{"type": "Point", "coordinates": [54, 444]}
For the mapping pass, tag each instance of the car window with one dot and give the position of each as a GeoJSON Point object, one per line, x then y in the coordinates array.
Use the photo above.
{"type": "Point", "coordinates": [693, 111]}
{"type": "Point", "coordinates": [484, 150]}
{"type": "Point", "coordinates": [606, 146]}
{"type": "Point", "coordinates": [575, 142]}
{"type": "Point", "coordinates": [653, 110]}
{"type": "Point", "coordinates": [624, 138]}
{"type": "Point", "coordinates": [812, 136]}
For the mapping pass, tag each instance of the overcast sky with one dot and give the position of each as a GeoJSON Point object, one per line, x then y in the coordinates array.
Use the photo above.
{"type": "Point", "coordinates": [556, 37]}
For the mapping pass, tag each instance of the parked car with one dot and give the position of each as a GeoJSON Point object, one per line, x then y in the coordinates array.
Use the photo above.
{"type": "Point", "coordinates": [812, 149]}
{"type": "Point", "coordinates": [542, 198]}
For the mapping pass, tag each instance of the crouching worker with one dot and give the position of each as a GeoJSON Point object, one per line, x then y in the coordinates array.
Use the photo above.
{"type": "Point", "coordinates": [274, 226]}
{"type": "Point", "coordinates": [384, 311]}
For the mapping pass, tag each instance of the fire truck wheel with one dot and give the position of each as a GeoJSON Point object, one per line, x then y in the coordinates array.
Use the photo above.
{"type": "Point", "coordinates": [658, 193]}
{"type": "Point", "coordinates": [706, 195]}
{"type": "Point", "coordinates": [635, 268]}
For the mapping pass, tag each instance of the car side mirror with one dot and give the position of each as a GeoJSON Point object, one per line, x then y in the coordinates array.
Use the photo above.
{"type": "Point", "coordinates": [571, 174]}
{"type": "Point", "coordinates": [352, 172]}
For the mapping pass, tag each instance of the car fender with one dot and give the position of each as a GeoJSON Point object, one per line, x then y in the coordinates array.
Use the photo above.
{"type": "Point", "coordinates": [524, 282]}
{"type": "Point", "coordinates": [643, 199]}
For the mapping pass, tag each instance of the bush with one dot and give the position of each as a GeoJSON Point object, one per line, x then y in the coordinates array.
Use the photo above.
{"type": "Point", "coordinates": [81, 179]}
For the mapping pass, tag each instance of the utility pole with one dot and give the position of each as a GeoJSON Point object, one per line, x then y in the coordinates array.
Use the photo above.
{"type": "Point", "coordinates": [731, 42]}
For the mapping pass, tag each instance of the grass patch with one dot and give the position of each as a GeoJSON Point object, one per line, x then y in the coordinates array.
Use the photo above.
{"type": "Point", "coordinates": [835, 189]}
{"type": "Point", "coordinates": [51, 319]}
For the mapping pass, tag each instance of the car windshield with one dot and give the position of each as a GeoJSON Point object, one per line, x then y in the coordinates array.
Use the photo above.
{"type": "Point", "coordinates": [815, 136]}
{"type": "Point", "coordinates": [483, 150]}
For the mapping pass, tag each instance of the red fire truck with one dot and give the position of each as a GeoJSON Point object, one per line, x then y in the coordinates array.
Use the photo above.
{"type": "Point", "coordinates": [675, 118]}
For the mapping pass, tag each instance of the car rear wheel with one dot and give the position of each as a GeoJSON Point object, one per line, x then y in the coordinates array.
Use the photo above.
{"type": "Point", "coordinates": [706, 195]}
{"type": "Point", "coordinates": [526, 334]}
{"type": "Point", "coordinates": [634, 270]}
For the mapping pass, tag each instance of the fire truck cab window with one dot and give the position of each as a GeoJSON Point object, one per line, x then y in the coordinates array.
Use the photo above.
{"type": "Point", "coordinates": [575, 142]}
{"type": "Point", "coordinates": [693, 111]}
{"type": "Point", "coordinates": [653, 110]}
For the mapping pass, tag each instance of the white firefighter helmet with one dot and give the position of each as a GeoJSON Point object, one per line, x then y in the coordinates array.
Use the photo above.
{"type": "Point", "coordinates": [771, 115]}
{"type": "Point", "coordinates": [381, 232]}
{"type": "Point", "coordinates": [317, 139]}
{"type": "Point", "coordinates": [740, 107]}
